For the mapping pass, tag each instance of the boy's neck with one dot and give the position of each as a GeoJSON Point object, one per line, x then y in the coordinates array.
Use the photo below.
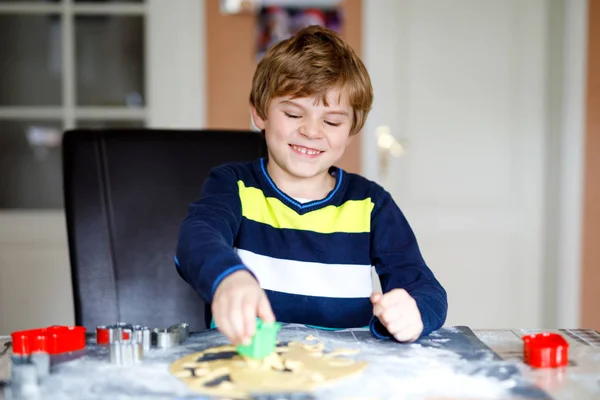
{"type": "Point", "coordinates": [313, 188]}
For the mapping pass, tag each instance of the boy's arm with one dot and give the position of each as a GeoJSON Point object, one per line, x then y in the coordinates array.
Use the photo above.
{"type": "Point", "coordinates": [399, 264]}
{"type": "Point", "coordinates": [205, 254]}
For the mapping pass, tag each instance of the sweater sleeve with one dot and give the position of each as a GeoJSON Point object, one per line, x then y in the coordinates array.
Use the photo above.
{"type": "Point", "coordinates": [205, 252]}
{"type": "Point", "coordinates": [400, 265]}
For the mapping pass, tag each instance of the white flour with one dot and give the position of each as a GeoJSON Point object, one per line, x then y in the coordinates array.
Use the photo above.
{"type": "Point", "coordinates": [421, 372]}
{"type": "Point", "coordinates": [90, 379]}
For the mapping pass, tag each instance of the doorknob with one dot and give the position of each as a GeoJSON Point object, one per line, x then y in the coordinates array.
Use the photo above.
{"type": "Point", "coordinates": [388, 147]}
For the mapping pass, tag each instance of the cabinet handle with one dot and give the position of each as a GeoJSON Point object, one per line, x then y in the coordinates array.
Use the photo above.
{"type": "Point", "coordinates": [388, 146]}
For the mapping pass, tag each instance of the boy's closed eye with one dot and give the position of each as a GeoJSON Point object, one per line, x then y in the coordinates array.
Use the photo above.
{"type": "Point", "coordinates": [294, 116]}
{"type": "Point", "coordinates": [287, 114]}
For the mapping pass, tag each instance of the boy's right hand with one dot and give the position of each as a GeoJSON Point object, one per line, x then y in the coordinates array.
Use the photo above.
{"type": "Point", "coordinates": [237, 302]}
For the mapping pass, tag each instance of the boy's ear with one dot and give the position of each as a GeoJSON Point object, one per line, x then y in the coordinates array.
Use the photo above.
{"type": "Point", "coordinates": [258, 121]}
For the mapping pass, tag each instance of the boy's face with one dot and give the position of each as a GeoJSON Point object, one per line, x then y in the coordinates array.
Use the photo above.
{"type": "Point", "coordinates": [303, 136]}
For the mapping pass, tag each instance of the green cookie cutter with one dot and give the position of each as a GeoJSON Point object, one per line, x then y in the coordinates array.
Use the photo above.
{"type": "Point", "coordinates": [263, 342]}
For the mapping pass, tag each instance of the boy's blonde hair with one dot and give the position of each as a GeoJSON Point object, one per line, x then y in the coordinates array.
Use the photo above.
{"type": "Point", "coordinates": [308, 64]}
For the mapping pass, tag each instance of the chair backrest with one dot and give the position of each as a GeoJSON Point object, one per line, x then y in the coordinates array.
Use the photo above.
{"type": "Point", "coordinates": [126, 192]}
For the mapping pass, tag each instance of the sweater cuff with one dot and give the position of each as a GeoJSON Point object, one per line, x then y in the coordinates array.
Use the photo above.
{"type": "Point", "coordinates": [225, 274]}
{"type": "Point", "coordinates": [425, 311]}
{"type": "Point", "coordinates": [378, 330]}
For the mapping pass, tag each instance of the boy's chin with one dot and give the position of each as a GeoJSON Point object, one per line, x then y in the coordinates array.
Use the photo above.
{"type": "Point", "coordinates": [306, 172]}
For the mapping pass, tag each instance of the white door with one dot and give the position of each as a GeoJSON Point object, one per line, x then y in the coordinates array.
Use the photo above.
{"type": "Point", "coordinates": [78, 64]}
{"type": "Point", "coordinates": [461, 86]}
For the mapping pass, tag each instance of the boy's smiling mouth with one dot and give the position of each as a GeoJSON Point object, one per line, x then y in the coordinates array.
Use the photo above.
{"type": "Point", "coordinates": [305, 151]}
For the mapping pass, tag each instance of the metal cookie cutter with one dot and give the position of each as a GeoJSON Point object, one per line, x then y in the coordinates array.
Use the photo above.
{"type": "Point", "coordinates": [141, 334]}
{"type": "Point", "coordinates": [27, 371]}
{"type": "Point", "coordinates": [182, 329]}
{"type": "Point", "coordinates": [41, 360]}
{"type": "Point", "coordinates": [24, 380]}
{"type": "Point", "coordinates": [127, 342]}
{"type": "Point", "coordinates": [163, 339]}
{"type": "Point", "coordinates": [126, 352]}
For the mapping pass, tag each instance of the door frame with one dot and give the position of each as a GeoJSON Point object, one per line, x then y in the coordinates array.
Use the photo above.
{"type": "Point", "coordinates": [571, 170]}
{"type": "Point", "coordinates": [564, 153]}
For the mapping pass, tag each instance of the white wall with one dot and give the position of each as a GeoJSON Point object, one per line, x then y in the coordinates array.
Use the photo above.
{"type": "Point", "coordinates": [35, 280]}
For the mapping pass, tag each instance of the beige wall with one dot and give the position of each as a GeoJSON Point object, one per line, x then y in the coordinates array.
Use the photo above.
{"type": "Point", "coordinates": [35, 278]}
{"type": "Point", "coordinates": [231, 64]}
{"type": "Point", "coordinates": [590, 315]}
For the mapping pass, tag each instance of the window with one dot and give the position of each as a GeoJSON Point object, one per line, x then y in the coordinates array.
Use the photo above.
{"type": "Point", "coordinates": [64, 64]}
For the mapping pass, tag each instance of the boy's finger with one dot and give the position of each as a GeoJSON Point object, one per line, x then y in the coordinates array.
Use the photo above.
{"type": "Point", "coordinates": [394, 297]}
{"type": "Point", "coordinates": [390, 315]}
{"type": "Point", "coordinates": [249, 312]}
{"type": "Point", "coordinates": [220, 314]}
{"type": "Point", "coordinates": [378, 310]}
{"type": "Point", "coordinates": [408, 334]}
{"type": "Point", "coordinates": [236, 320]}
{"type": "Point", "coordinates": [376, 297]}
{"type": "Point", "coordinates": [264, 309]}
{"type": "Point", "coordinates": [399, 327]}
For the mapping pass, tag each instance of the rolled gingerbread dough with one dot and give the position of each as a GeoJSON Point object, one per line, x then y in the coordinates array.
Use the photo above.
{"type": "Point", "coordinates": [295, 367]}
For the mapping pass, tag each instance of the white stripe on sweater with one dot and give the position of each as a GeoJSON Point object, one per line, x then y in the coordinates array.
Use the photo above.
{"type": "Point", "coordinates": [309, 278]}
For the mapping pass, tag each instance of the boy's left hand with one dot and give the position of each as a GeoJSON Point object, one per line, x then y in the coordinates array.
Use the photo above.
{"type": "Point", "coordinates": [398, 312]}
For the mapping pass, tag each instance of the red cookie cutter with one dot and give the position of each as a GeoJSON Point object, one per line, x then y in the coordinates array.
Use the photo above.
{"type": "Point", "coordinates": [102, 335]}
{"type": "Point", "coordinates": [105, 333]}
{"type": "Point", "coordinates": [545, 350]}
{"type": "Point", "coordinates": [52, 340]}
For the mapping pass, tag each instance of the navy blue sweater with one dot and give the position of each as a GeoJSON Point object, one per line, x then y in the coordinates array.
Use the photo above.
{"type": "Point", "coordinates": [313, 259]}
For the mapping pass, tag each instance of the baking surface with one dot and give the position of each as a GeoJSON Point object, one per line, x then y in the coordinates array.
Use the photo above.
{"type": "Point", "coordinates": [451, 362]}
{"type": "Point", "coordinates": [580, 380]}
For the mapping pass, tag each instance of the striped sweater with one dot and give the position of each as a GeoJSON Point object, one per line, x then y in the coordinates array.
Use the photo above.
{"type": "Point", "coordinates": [313, 259]}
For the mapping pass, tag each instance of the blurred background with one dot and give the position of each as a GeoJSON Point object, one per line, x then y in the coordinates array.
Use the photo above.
{"type": "Point", "coordinates": [485, 129]}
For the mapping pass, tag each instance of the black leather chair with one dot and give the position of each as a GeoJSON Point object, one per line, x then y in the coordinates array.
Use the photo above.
{"type": "Point", "coordinates": [126, 192]}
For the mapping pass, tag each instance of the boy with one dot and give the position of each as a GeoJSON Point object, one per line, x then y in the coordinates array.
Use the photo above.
{"type": "Point", "coordinates": [291, 236]}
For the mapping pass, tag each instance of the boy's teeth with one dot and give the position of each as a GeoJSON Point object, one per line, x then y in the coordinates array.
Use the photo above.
{"type": "Point", "coordinates": [304, 150]}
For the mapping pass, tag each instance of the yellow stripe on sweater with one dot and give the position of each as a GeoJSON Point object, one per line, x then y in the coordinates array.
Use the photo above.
{"type": "Point", "coordinates": [354, 216]}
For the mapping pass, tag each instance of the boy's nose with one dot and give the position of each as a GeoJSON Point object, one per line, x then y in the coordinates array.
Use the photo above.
{"type": "Point", "coordinates": [311, 130]}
